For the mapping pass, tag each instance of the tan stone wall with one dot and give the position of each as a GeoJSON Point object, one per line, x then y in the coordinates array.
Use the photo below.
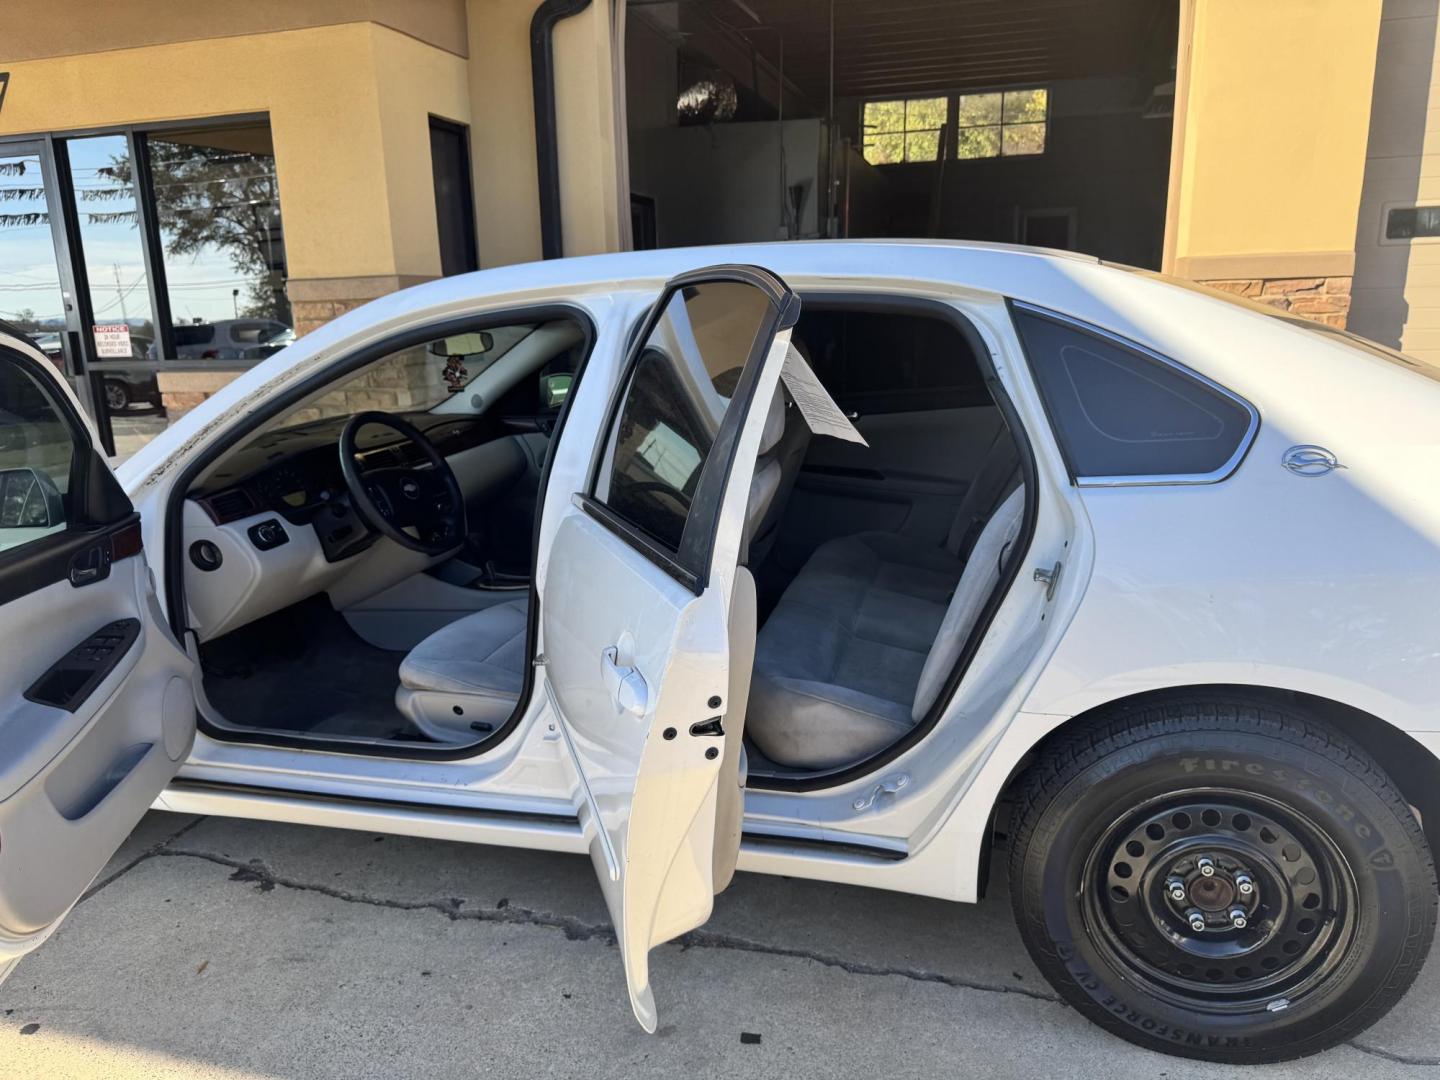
{"type": "Point", "coordinates": [1324, 299]}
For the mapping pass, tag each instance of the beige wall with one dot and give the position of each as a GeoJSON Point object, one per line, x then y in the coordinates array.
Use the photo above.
{"type": "Point", "coordinates": [33, 29]}
{"type": "Point", "coordinates": [502, 133]}
{"type": "Point", "coordinates": [586, 84]}
{"type": "Point", "coordinates": [1397, 283]}
{"type": "Point", "coordinates": [1275, 108]}
{"type": "Point", "coordinates": [349, 125]}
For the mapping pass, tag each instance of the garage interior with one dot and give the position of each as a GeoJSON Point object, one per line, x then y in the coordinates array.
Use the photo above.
{"type": "Point", "coordinates": [1045, 122]}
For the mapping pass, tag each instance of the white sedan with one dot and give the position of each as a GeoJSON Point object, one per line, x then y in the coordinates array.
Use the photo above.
{"type": "Point", "coordinates": [854, 562]}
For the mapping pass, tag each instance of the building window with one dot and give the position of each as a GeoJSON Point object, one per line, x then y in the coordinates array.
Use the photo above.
{"type": "Point", "coordinates": [1410, 222]}
{"type": "Point", "coordinates": [1002, 123]}
{"type": "Point", "coordinates": [904, 131]}
{"type": "Point", "coordinates": [454, 204]}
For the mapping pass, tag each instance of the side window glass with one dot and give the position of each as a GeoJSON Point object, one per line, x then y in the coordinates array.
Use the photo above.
{"type": "Point", "coordinates": [37, 451]}
{"type": "Point", "coordinates": [678, 393]}
{"type": "Point", "coordinates": [876, 362]}
{"type": "Point", "coordinates": [1119, 412]}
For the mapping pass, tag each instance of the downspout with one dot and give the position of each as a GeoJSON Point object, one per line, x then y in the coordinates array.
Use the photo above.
{"type": "Point", "coordinates": [547, 139]}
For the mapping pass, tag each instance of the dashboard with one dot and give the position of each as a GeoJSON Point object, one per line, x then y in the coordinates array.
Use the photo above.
{"type": "Point", "coordinates": [295, 471]}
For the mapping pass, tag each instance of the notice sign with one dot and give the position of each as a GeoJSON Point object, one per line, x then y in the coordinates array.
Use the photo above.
{"type": "Point", "coordinates": [112, 340]}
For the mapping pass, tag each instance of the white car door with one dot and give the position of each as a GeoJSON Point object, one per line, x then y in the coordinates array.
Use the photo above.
{"type": "Point", "coordinates": [97, 706]}
{"type": "Point", "coordinates": [641, 585]}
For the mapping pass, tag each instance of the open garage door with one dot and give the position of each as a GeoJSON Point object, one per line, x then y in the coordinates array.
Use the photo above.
{"type": "Point", "coordinates": [1023, 121]}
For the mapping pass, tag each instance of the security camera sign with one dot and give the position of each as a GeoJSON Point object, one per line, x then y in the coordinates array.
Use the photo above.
{"type": "Point", "coordinates": [112, 340]}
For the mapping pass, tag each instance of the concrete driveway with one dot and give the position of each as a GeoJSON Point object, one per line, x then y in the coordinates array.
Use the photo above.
{"type": "Point", "coordinates": [223, 948]}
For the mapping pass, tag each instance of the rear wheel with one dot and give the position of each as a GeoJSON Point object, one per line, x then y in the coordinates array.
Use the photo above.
{"type": "Point", "coordinates": [1224, 880]}
{"type": "Point", "coordinates": [117, 395]}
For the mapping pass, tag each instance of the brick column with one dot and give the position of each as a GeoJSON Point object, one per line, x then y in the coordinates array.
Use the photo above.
{"type": "Point", "coordinates": [1324, 299]}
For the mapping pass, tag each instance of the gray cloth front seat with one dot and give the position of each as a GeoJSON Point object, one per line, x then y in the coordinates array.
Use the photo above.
{"type": "Point", "coordinates": [475, 665]}
{"type": "Point", "coordinates": [777, 463]}
{"type": "Point", "coordinates": [862, 641]}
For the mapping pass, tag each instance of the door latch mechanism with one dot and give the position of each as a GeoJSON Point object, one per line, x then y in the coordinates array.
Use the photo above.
{"type": "Point", "coordinates": [891, 785]}
{"type": "Point", "coordinates": [1049, 578]}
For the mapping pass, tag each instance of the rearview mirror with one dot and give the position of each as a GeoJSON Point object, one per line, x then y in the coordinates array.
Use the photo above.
{"type": "Point", "coordinates": [29, 500]}
{"type": "Point", "coordinates": [462, 344]}
{"type": "Point", "coordinates": [554, 388]}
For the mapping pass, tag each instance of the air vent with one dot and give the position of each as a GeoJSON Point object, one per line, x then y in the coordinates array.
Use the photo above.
{"type": "Point", "coordinates": [229, 505]}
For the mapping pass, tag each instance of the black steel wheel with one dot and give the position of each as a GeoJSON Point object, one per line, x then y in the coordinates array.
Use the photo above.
{"type": "Point", "coordinates": [1223, 880]}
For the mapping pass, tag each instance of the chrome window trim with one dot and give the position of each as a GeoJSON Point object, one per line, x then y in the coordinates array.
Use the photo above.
{"type": "Point", "coordinates": [1148, 479]}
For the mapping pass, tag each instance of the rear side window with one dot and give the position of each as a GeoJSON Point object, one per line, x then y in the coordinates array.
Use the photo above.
{"type": "Point", "coordinates": [681, 386]}
{"type": "Point", "coordinates": [1120, 412]}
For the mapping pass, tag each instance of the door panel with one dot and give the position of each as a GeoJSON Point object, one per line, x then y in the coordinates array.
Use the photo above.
{"type": "Point", "coordinates": [73, 784]}
{"type": "Point", "coordinates": [909, 479]}
{"type": "Point", "coordinates": [96, 700]}
{"type": "Point", "coordinates": [637, 604]}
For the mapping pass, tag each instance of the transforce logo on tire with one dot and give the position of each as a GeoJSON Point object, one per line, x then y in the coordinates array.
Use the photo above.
{"type": "Point", "coordinates": [1112, 1003]}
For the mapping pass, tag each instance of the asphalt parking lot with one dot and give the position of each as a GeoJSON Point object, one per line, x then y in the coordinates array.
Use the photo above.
{"type": "Point", "coordinates": [224, 948]}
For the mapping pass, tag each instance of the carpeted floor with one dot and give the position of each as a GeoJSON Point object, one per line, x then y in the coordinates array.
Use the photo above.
{"type": "Point", "coordinates": [304, 669]}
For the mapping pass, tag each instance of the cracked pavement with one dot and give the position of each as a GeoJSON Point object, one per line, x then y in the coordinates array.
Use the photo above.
{"type": "Point", "coordinates": [214, 947]}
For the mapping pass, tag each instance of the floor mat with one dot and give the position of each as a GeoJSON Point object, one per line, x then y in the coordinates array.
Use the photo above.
{"type": "Point", "coordinates": [304, 669]}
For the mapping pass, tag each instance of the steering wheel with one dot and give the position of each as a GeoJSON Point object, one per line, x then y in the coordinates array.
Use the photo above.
{"type": "Point", "coordinates": [419, 507]}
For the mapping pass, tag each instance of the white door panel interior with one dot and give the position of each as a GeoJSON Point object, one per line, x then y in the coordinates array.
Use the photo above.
{"type": "Point", "coordinates": [73, 784]}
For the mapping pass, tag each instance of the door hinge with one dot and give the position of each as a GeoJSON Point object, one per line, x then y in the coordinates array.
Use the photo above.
{"type": "Point", "coordinates": [1049, 578]}
{"type": "Point", "coordinates": [540, 660]}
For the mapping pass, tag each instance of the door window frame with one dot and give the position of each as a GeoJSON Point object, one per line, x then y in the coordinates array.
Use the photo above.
{"type": "Point", "coordinates": [690, 563]}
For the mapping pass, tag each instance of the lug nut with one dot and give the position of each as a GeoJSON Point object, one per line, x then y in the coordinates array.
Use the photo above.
{"type": "Point", "coordinates": [1205, 865]}
{"type": "Point", "coordinates": [1176, 888]}
{"type": "Point", "coordinates": [1244, 884]}
{"type": "Point", "coordinates": [1238, 919]}
{"type": "Point", "coordinates": [1197, 919]}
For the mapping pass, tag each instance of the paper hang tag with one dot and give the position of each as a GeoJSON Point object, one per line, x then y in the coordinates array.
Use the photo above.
{"type": "Point", "coordinates": [822, 415]}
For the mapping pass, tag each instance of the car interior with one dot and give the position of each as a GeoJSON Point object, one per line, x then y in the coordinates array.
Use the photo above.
{"type": "Point", "coordinates": [340, 589]}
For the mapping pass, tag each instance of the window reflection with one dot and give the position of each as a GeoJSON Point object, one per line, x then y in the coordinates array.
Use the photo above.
{"type": "Point", "coordinates": [217, 204]}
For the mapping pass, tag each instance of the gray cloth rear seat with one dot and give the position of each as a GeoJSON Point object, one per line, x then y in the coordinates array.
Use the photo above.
{"type": "Point", "coordinates": [861, 643]}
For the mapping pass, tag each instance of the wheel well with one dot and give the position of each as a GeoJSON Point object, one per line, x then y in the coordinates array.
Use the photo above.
{"type": "Point", "coordinates": [1413, 767]}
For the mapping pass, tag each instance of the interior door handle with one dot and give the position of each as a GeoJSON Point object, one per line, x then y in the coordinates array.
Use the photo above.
{"type": "Point", "coordinates": [626, 685]}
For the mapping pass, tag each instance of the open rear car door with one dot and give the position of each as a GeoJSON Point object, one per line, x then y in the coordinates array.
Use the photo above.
{"type": "Point", "coordinates": [644, 605]}
{"type": "Point", "coordinates": [97, 707]}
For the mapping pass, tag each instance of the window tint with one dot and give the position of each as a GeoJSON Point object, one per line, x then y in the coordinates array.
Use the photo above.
{"type": "Point", "coordinates": [880, 362]}
{"type": "Point", "coordinates": [679, 391]}
{"type": "Point", "coordinates": [1119, 412]}
{"type": "Point", "coordinates": [37, 449]}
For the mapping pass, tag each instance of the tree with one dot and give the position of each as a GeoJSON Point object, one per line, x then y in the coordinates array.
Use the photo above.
{"type": "Point", "coordinates": [217, 198]}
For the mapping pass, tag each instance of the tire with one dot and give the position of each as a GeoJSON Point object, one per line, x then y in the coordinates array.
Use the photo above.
{"type": "Point", "coordinates": [117, 395]}
{"type": "Point", "coordinates": [1334, 926]}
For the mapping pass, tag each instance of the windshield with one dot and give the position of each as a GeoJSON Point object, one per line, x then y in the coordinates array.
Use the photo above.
{"type": "Point", "coordinates": [1390, 356]}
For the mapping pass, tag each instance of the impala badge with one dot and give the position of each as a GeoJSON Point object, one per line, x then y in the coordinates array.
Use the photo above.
{"type": "Point", "coordinates": [1310, 460]}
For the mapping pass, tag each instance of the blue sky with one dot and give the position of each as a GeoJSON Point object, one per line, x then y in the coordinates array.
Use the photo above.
{"type": "Point", "coordinates": [200, 285]}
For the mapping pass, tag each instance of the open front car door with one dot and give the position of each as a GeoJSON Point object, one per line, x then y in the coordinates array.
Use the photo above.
{"type": "Point", "coordinates": [97, 707]}
{"type": "Point", "coordinates": [643, 597]}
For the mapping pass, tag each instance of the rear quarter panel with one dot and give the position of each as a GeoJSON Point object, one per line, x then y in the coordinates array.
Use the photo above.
{"type": "Point", "coordinates": [1328, 585]}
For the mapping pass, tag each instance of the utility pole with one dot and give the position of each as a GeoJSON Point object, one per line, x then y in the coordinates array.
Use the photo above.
{"type": "Point", "coordinates": [235, 301]}
{"type": "Point", "coordinates": [124, 317]}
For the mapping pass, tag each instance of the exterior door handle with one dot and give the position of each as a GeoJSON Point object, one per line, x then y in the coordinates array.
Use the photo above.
{"type": "Point", "coordinates": [626, 685]}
